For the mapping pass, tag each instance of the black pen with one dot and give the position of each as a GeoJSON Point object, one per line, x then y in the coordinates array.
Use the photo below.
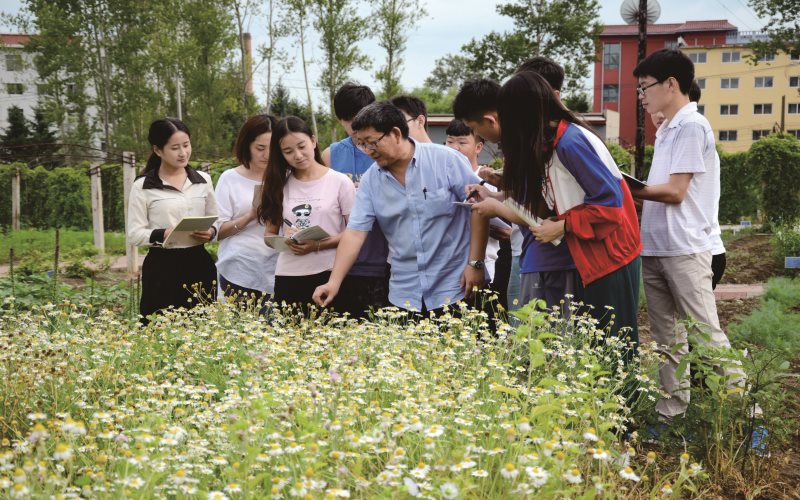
{"type": "Point", "coordinates": [287, 222]}
{"type": "Point", "coordinates": [425, 192]}
{"type": "Point", "coordinates": [474, 191]}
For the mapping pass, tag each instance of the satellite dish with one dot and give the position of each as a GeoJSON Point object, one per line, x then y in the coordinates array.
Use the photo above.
{"type": "Point", "coordinates": [630, 11]}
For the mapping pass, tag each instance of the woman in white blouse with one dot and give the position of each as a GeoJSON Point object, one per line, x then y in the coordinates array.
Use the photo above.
{"type": "Point", "coordinates": [246, 266]}
{"type": "Point", "coordinates": [167, 191]}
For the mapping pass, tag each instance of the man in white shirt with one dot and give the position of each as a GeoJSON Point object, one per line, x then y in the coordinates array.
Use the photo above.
{"type": "Point", "coordinates": [678, 215]}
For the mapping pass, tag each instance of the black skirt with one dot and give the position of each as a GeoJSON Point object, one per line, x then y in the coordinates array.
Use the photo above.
{"type": "Point", "coordinates": [176, 277]}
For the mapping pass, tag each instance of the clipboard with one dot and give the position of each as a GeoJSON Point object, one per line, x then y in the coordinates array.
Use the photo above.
{"type": "Point", "coordinates": [181, 235]}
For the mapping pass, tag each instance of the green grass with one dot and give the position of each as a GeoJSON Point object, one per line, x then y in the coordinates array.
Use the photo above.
{"type": "Point", "coordinates": [36, 241]}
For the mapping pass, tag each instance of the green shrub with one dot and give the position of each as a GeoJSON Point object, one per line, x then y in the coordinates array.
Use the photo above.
{"type": "Point", "coordinates": [771, 325]}
{"type": "Point", "coordinates": [777, 158]}
{"type": "Point", "coordinates": [785, 242]}
{"type": "Point", "coordinates": [785, 291]}
{"type": "Point", "coordinates": [622, 156]}
{"type": "Point", "coordinates": [740, 188]}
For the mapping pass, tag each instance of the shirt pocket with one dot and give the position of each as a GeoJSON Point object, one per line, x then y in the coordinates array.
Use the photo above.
{"type": "Point", "coordinates": [197, 205]}
{"type": "Point", "coordinates": [439, 203]}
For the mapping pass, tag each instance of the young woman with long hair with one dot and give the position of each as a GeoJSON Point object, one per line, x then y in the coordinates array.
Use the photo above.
{"type": "Point", "coordinates": [560, 170]}
{"type": "Point", "coordinates": [246, 266]}
{"type": "Point", "coordinates": [300, 192]}
{"type": "Point", "coordinates": [167, 191]}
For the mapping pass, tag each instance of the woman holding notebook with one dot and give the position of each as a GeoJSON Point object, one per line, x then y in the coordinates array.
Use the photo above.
{"type": "Point", "coordinates": [301, 193]}
{"type": "Point", "coordinates": [246, 266]}
{"type": "Point", "coordinates": [177, 271]}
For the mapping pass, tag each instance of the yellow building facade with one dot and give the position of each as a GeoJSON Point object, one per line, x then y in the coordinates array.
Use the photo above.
{"type": "Point", "coordinates": [743, 101]}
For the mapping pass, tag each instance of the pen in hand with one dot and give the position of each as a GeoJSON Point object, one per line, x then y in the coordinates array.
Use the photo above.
{"type": "Point", "coordinates": [474, 191]}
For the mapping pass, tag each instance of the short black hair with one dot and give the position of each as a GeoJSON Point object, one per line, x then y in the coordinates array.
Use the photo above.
{"type": "Point", "coordinates": [457, 128]}
{"type": "Point", "coordinates": [668, 63]}
{"type": "Point", "coordinates": [694, 92]}
{"type": "Point", "coordinates": [350, 99]}
{"type": "Point", "coordinates": [475, 99]}
{"type": "Point", "coordinates": [547, 68]}
{"type": "Point", "coordinates": [383, 116]}
{"type": "Point", "coordinates": [412, 105]}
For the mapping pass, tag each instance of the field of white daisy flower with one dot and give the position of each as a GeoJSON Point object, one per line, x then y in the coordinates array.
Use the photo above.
{"type": "Point", "coordinates": [221, 403]}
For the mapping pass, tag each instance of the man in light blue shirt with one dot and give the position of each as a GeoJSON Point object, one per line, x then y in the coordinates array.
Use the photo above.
{"type": "Point", "coordinates": [437, 247]}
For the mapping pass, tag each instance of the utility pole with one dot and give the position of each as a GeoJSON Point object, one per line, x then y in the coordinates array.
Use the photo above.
{"type": "Point", "coordinates": [642, 18]}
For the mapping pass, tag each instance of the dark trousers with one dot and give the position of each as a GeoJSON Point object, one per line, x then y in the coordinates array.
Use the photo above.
{"type": "Point", "coordinates": [177, 277]}
{"type": "Point", "coordinates": [620, 290]}
{"type": "Point", "coordinates": [718, 263]}
{"type": "Point", "coordinates": [502, 273]}
{"type": "Point", "coordinates": [241, 294]}
{"type": "Point", "coordinates": [360, 294]}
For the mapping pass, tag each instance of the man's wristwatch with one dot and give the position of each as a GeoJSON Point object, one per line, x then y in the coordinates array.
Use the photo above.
{"type": "Point", "coordinates": [477, 264]}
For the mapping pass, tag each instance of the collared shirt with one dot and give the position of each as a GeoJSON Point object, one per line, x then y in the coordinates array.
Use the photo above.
{"type": "Point", "coordinates": [428, 234]}
{"type": "Point", "coordinates": [683, 145]}
{"type": "Point", "coordinates": [154, 206]}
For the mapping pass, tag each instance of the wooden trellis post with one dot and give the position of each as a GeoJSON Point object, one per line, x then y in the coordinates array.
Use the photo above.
{"type": "Point", "coordinates": [97, 208]}
{"type": "Point", "coordinates": [128, 176]}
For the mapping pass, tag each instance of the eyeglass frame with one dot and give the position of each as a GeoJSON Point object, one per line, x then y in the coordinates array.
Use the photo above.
{"type": "Point", "coordinates": [641, 90]}
{"type": "Point", "coordinates": [372, 145]}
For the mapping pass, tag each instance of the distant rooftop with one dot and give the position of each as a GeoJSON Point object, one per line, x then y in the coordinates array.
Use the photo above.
{"type": "Point", "coordinates": [14, 39]}
{"type": "Point", "coordinates": [669, 28]}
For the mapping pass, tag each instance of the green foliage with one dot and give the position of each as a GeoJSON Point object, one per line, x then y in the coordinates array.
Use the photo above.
{"type": "Point", "coordinates": [392, 21]}
{"type": "Point", "coordinates": [740, 187]}
{"type": "Point", "coordinates": [622, 157]}
{"type": "Point", "coordinates": [436, 101]}
{"type": "Point", "coordinates": [783, 27]}
{"type": "Point", "coordinates": [340, 28]}
{"type": "Point", "coordinates": [42, 243]}
{"type": "Point", "coordinates": [785, 242]}
{"type": "Point", "coordinates": [562, 30]}
{"type": "Point", "coordinates": [774, 324]}
{"type": "Point", "coordinates": [777, 159]}
{"type": "Point", "coordinates": [578, 102]}
{"type": "Point", "coordinates": [130, 55]}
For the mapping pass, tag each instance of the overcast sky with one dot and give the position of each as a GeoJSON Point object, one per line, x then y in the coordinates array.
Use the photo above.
{"type": "Point", "coordinates": [451, 23]}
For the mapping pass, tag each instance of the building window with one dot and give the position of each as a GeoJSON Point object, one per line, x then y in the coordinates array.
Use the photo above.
{"type": "Point", "coordinates": [13, 62]}
{"type": "Point", "coordinates": [727, 135]}
{"type": "Point", "coordinates": [795, 133]}
{"type": "Point", "coordinates": [671, 44]}
{"type": "Point", "coordinates": [729, 109]}
{"type": "Point", "coordinates": [610, 93]}
{"type": "Point", "coordinates": [762, 109]}
{"type": "Point", "coordinates": [794, 81]}
{"type": "Point", "coordinates": [731, 57]}
{"type": "Point", "coordinates": [701, 108]}
{"type": "Point", "coordinates": [698, 57]}
{"type": "Point", "coordinates": [42, 89]}
{"type": "Point", "coordinates": [758, 134]}
{"type": "Point", "coordinates": [611, 53]}
{"type": "Point", "coordinates": [794, 108]}
{"type": "Point", "coordinates": [763, 82]}
{"type": "Point", "coordinates": [701, 82]}
{"type": "Point", "coordinates": [794, 55]}
{"type": "Point", "coordinates": [729, 83]}
{"type": "Point", "coordinates": [766, 57]}
{"type": "Point", "coordinates": [15, 88]}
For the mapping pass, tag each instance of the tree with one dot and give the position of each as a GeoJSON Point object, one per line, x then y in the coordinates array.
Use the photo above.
{"type": "Point", "coordinates": [578, 102]}
{"type": "Point", "coordinates": [270, 52]}
{"type": "Point", "coordinates": [340, 29]}
{"type": "Point", "coordinates": [783, 27]}
{"type": "Point", "coordinates": [560, 29]}
{"type": "Point", "coordinates": [15, 135]}
{"type": "Point", "coordinates": [296, 17]}
{"type": "Point", "coordinates": [393, 19]}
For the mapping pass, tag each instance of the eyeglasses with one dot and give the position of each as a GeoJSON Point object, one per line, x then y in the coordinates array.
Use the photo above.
{"type": "Point", "coordinates": [641, 89]}
{"type": "Point", "coordinates": [366, 147]}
